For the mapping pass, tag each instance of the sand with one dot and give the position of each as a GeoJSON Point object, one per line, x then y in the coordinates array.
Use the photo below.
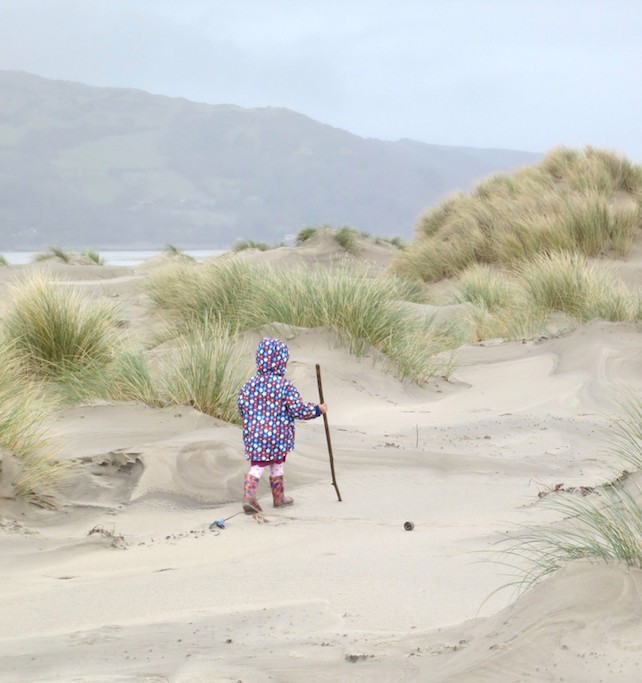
{"type": "Point", "coordinates": [127, 581]}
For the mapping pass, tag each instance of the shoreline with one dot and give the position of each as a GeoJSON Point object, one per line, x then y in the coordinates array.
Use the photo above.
{"type": "Point", "coordinates": [114, 257]}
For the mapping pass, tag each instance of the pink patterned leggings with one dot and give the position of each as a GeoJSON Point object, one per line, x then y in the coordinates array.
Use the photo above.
{"type": "Point", "coordinates": [276, 470]}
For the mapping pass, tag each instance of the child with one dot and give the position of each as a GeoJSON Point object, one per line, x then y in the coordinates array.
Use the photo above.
{"type": "Point", "coordinates": [269, 404]}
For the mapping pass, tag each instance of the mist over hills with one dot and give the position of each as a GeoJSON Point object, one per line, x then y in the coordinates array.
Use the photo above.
{"type": "Point", "coordinates": [87, 166]}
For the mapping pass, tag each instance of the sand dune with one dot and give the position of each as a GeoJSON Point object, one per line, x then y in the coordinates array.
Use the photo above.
{"type": "Point", "coordinates": [128, 582]}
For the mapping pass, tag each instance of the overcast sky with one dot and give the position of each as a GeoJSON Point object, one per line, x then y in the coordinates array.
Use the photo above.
{"type": "Point", "coordinates": [512, 74]}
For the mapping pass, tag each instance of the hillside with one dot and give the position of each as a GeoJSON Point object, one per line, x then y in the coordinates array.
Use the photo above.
{"type": "Point", "coordinates": [81, 165]}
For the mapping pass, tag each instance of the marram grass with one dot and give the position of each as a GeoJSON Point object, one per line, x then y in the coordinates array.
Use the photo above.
{"type": "Point", "coordinates": [625, 430]}
{"type": "Point", "coordinates": [362, 308]}
{"type": "Point", "coordinates": [54, 253]}
{"type": "Point", "coordinates": [203, 368]}
{"type": "Point", "coordinates": [55, 329]}
{"type": "Point", "coordinates": [499, 305]}
{"type": "Point", "coordinates": [571, 284]}
{"type": "Point", "coordinates": [40, 474]}
{"type": "Point", "coordinates": [93, 256]}
{"type": "Point", "coordinates": [516, 303]}
{"type": "Point", "coordinates": [487, 288]}
{"type": "Point", "coordinates": [25, 421]}
{"type": "Point", "coordinates": [242, 245]}
{"type": "Point", "coordinates": [223, 288]}
{"type": "Point", "coordinates": [602, 528]}
{"type": "Point", "coordinates": [126, 377]}
{"type": "Point", "coordinates": [346, 238]}
{"type": "Point", "coordinates": [23, 413]}
{"type": "Point", "coordinates": [605, 525]}
{"type": "Point", "coordinates": [207, 372]}
{"type": "Point", "coordinates": [581, 202]}
{"type": "Point", "coordinates": [130, 378]}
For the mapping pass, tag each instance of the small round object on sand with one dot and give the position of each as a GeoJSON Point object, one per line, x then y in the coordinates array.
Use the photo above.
{"type": "Point", "coordinates": [409, 526]}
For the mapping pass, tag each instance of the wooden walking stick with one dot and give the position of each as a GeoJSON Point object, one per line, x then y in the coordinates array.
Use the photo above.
{"type": "Point", "coordinates": [327, 433]}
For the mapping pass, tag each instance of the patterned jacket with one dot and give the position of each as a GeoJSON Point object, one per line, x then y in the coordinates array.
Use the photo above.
{"type": "Point", "coordinates": [269, 403]}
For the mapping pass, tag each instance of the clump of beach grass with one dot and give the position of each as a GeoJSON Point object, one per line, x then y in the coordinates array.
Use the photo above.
{"type": "Point", "coordinates": [207, 371]}
{"type": "Point", "coordinates": [39, 475]}
{"type": "Point", "coordinates": [394, 241]}
{"type": "Point", "coordinates": [506, 324]}
{"type": "Point", "coordinates": [602, 528]}
{"type": "Point", "coordinates": [130, 378]}
{"type": "Point", "coordinates": [243, 245]}
{"type": "Point", "coordinates": [358, 306]}
{"type": "Point", "coordinates": [174, 252]}
{"type": "Point", "coordinates": [306, 233]}
{"type": "Point", "coordinates": [517, 303]}
{"type": "Point", "coordinates": [499, 305]}
{"type": "Point", "coordinates": [202, 368]}
{"type": "Point", "coordinates": [59, 255]}
{"type": "Point", "coordinates": [22, 415]}
{"type": "Point", "coordinates": [362, 308]}
{"type": "Point", "coordinates": [487, 288]}
{"type": "Point", "coordinates": [54, 253]}
{"type": "Point", "coordinates": [126, 377]}
{"type": "Point", "coordinates": [625, 430]}
{"type": "Point", "coordinates": [93, 256]}
{"type": "Point", "coordinates": [571, 284]}
{"type": "Point", "coordinates": [346, 238]}
{"type": "Point", "coordinates": [225, 288]}
{"type": "Point", "coordinates": [3, 260]}
{"type": "Point", "coordinates": [581, 202]}
{"type": "Point", "coordinates": [25, 423]}
{"type": "Point", "coordinates": [601, 523]}
{"type": "Point", "coordinates": [54, 329]}
{"type": "Point", "coordinates": [593, 169]}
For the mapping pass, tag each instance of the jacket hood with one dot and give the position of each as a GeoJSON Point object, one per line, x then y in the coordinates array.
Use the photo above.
{"type": "Point", "coordinates": [272, 356]}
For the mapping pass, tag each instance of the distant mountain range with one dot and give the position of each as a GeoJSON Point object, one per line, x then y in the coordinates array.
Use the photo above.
{"type": "Point", "coordinates": [86, 166]}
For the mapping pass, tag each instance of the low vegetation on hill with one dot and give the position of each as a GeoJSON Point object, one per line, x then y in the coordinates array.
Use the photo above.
{"type": "Point", "coordinates": [588, 203]}
{"type": "Point", "coordinates": [523, 246]}
{"type": "Point", "coordinates": [89, 257]}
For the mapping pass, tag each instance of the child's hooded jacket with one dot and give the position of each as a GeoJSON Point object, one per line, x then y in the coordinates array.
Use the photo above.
{"type": "Point", "coordinates": [269, 403]}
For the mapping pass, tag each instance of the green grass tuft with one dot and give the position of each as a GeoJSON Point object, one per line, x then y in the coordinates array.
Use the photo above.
{"type": "Point", "coordinates": [605, 527]}
{"type": "Point", "coordinates": [207, 372]}
{"type": "Point", "coordinates": [306, 233]}
{"type": "Point", "coordinates": [500, 307]}
{"type": "Point", "coordinates": [93, 256]}
{"type": "Point", "coordinates": [625, 430]}
{"type": "Point", "coordinates": [25, 424]}
{"type": "Point", "coordinates": [346, 238]}
{"type": "Point", "coordinates": [54, 254]}
{"type": "Point", "coordinates": [54, 329]}
{"type": "Point", "coordinates": [173, 251]}
{"type": "Point", "coordinates": [242, 245]}
{"type": "Point", "coordinates": [603, 524]}
{"type": "Point", "coordinates": [570, 284]}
